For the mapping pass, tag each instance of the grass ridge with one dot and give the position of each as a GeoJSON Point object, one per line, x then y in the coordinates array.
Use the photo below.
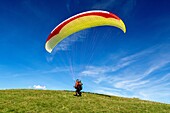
{"type": "Point", "coordinates": [63, 101]}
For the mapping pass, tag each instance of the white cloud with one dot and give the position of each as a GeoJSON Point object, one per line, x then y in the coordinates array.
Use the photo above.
{"type": "Point", "coordinates": [39, 87]}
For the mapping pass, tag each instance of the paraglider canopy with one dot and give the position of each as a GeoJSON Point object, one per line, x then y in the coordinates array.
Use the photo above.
{"type": "Point", "coordinates": [82, 21]}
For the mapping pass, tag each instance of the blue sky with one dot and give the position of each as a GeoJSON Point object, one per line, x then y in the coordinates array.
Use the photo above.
{"type": "Point", "coordinates": [134, 64]}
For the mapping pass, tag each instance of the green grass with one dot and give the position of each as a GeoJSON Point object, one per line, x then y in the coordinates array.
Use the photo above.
{"type": "Point", "coordinates": [47, 101]}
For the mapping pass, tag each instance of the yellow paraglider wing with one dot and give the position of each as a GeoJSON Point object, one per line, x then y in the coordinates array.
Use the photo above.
{"type": "Point", "coordinates": [82, 21]}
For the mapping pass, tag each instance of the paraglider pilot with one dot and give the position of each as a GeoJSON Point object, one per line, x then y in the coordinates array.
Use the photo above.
{"type": "Point", "coordinates": [78, 87]}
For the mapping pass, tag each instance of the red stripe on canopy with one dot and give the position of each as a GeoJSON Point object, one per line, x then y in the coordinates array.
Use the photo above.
{"type": "Point", "coordinates": [103, 14]}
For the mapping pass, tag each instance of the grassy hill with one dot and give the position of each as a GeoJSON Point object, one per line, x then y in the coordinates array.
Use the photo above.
{"type": "Point", "coordinates": [47, 101]}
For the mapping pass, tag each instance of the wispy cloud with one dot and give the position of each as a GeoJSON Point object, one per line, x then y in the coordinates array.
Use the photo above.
{"type": "Point", "coordinates": [141, 74]}
{"type": "Point", "coordinates": [155, 91]}
{"type": "Point", "coordinates": [122, 63]}
{"type": "Point", "coordinates": [102, 70]}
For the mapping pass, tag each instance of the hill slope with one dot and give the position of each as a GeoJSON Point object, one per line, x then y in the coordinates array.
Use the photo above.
{"type": "Point", "coordinates": [47, 101]}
